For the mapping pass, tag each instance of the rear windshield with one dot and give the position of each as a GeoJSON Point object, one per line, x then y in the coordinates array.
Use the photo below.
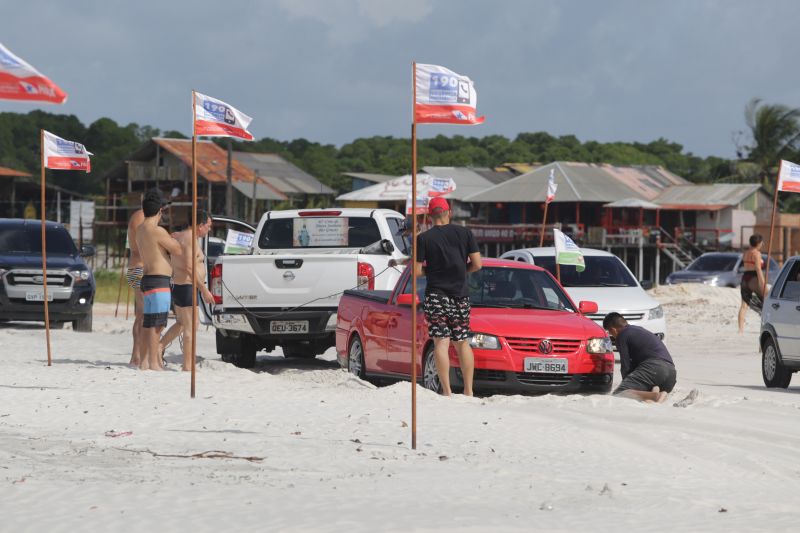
{"type": "Point", "coordinates": [28, 240]}
{"type": "Point", "coordinates": [319, 232]}
{"type": "Point", "coordinates": [713, 263]}
{"type": "Point", "coordinates": [601, 271]}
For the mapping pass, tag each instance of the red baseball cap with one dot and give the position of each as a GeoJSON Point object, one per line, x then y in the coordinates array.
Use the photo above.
{"type": "Point", "coordinates": [438, 204]}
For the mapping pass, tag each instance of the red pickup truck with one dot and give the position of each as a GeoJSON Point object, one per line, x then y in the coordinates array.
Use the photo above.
{"type": "Point", "coordinates": [528, 336]}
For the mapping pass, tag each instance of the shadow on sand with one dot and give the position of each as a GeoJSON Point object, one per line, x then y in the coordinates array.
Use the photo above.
{"type": "Point", "coordinates": [277, 364]}
{"type": "Point", "coordinates": [790, 390]}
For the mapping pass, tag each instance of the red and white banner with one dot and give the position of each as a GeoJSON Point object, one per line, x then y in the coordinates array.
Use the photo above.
{"type": "Point", "coordinates": [215, 118]}
{"type": "Point", "coordinates": [552, 187]}
{"type": "Point", "coordinates": [60, 154]}
{"type": "Point", "coordinates": [440, 186]}
{"type": "Point", "coordinates": [20, 81]}
{"type": "Point", "coordinates": [789, 177]}
{"type": "Point", "coordinates": [444, 97]}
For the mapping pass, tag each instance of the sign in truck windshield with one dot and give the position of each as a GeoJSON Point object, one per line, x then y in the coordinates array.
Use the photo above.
{"type": "Point", "coordinates": [319, 232]}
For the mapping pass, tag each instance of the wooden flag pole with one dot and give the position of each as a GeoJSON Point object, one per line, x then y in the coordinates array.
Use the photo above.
{"type": "Point", "coordinates": [44, 257]}
{"type": "Point", "coordinates": [119, 289]}
{"type": "Point", "coordinates": [194, 241]}
{"type": "Point", "coordinates": [414, 260]}
{"type": "Point", "coordinates": [771, 233]}
{"type": "Point", "coordinates": [544, 224]}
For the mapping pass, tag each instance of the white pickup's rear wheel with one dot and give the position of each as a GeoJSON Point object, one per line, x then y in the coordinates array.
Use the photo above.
{"type": "Point", "coordinates": [355, 358]}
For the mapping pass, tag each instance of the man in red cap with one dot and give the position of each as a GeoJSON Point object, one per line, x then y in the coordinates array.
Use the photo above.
{"type": "Point", "coordinates": [443, 253]}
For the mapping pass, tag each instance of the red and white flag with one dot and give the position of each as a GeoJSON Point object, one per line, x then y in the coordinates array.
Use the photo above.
{"type": "Point", "coordinates": [444, 97]}
{"type": "Point", "coordinates": [552, 186]}
{"type": "Point", "coordinates": [215, 118]}
{"type": "Point", "coordinates": [20, 81]}
{"type": "Point", "coordinates": [789, 177]}
{"type": "Point", "coordinates": [440, 186]}
{"type": "Point", "coordinates": [60, 154]}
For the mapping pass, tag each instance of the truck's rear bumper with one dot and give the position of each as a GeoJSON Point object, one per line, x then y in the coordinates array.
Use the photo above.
{"type": "Point", "coordinates": [320, 323]}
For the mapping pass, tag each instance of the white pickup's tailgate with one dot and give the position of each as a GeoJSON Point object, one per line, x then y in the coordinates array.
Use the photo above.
{"type": "Point", "coordinates": [287, 280]}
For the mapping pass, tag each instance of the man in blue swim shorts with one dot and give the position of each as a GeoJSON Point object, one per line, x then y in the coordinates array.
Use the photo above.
{"type": "Point", "coordinates": [154, 245]}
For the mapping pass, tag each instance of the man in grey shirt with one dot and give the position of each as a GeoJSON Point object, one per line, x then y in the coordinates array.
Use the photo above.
{"type": "Point", "coordinates": [648, 372]}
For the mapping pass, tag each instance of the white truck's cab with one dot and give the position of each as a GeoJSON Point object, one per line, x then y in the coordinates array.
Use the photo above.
{"type": "Point", "coordinates": [286, 292]}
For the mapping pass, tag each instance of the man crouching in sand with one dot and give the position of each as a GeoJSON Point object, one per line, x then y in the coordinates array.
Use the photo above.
{"type": "Point", "coordinates": [182, 288]}
{"type": "Point", "coordinates": [648, 373]}
{"type": "Point", "coordinates": [154, 244]}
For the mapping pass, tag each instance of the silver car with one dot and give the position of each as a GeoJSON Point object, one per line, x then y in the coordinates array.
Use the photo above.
{"type": "Point", "coordinates": [721, 269]}
{"type": "Point", "coordinates": [780, 328]}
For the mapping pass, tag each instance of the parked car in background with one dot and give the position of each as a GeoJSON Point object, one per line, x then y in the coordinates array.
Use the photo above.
{"type": "Point", "coordinates": [721, 269]}
{"type": "Point", "coordinates": [70, 282]}
{"type": "Point", "coordinates": [780, 327]}
{"type": "Point", "coordinates": [606, 281]}
{"type": "Point", "coordinates": [529, 336]}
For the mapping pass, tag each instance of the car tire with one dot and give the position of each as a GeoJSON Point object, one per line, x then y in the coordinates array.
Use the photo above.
{"type": "Point", "coordinates": [355, 358]}
{"type": "Point", "coordinates": [239, 351]}
{"type": "Point", "coordinates": [772, 370]}
{"type": "Point", "coordinates": [430, 376]}
{"type": "Point", "coordinates": [59, 325]}
{"type": "Point", "coordinates": [83, 324]}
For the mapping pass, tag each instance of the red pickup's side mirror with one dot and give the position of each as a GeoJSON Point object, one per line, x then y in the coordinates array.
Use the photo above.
{"type": "Point", "coordinates": [405, 299]}
{"type": "Point", "coordinates": [587, 308]}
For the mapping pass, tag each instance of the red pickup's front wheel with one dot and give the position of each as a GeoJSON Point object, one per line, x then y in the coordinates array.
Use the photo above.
{"type": "Point", "coordinates": [355, 358]}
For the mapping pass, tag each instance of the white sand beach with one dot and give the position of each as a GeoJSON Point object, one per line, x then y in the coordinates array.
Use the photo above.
{"type": "Point", "coordinates": [92, 445]}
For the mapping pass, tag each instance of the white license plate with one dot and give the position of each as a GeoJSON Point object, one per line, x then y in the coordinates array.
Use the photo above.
{"type": "Point", "coordinates": [288, 326]}
{"type": "Point", "coordinates": [38, 296]}
{"type": "Point", "coordinates": [541, 365]}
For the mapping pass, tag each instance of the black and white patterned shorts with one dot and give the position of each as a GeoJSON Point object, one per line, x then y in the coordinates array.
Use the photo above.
{"type": "Point", "coordinates": [447, 316]}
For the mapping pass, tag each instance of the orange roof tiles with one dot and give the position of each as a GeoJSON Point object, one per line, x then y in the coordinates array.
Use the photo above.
{"type": "Point", "coordinates": [11, 172]}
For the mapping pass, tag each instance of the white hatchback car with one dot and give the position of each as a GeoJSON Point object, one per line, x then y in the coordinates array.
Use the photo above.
{"type": "Point", "coordinates": [780, 327]}
{"type": "Point", "coordinates": [606, 281]}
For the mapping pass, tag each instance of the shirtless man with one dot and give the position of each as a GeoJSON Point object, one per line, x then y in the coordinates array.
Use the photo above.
{"type": "Point", "coordinates": [182, 286]}
{"type": "Point", "coordinates": [134, 276]}
{"type": "Point", "coordinates": [154, 244]}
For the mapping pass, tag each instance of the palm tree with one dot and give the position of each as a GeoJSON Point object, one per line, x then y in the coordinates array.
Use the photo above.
{"type": "Point", "coordinates": [775, 130]}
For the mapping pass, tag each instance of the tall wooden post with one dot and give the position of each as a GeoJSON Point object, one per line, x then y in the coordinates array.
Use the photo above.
{"type": "Point", "coordinates": [229, 181]}
{"type": "Point", "coordinates": [544, 224]}
{"type": "Point", "coordinates": [44, 256]}
{"type": "Point", "coordinates": [194, 241]}
{"type": "Point", "coordinates": [414, 261]}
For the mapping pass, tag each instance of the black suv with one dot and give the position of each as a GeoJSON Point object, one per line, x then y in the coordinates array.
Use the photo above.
{"type": "Point", "coordinates": [70, 283]}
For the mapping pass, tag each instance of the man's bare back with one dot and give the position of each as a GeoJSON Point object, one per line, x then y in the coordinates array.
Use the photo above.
{"type": "Point", "coordinates": [181, 265]}
{"type": "Point", "coordinates": [153, 242]}
{"type": "Point", "coordinates": [135, 259]}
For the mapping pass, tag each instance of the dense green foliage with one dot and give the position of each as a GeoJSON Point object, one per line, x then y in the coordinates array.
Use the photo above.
{"type": "Point", "coordinates": [774, 132]}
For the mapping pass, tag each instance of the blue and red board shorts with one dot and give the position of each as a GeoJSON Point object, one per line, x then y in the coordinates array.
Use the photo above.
{"type": "Point", "coordinates": [156, 290]}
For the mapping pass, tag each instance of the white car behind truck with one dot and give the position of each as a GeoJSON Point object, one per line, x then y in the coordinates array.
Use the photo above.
{"type": "Point", "coordinates": [286, 292]}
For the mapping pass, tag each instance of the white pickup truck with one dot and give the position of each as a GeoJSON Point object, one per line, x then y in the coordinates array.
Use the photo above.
{"type": "Point", "coordinates": [286, 293]}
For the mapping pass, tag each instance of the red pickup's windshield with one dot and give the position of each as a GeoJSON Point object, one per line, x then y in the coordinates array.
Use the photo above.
{"type": "Point", "coordinates": [505, 287]}
{"type": "Point", "coordinates": [318, 232]}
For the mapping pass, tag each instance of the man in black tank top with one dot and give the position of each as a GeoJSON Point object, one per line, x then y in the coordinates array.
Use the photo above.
{"type": "Point", "coordinates": [442, 255]}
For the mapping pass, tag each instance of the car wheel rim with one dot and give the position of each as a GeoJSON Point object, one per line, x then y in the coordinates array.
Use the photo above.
{"type": "Point", "coordinates": [430, 377]}
{"type": "Point", "coordinates": [355, 358]}
{"type": "Point", "coordinates": [770, 362]}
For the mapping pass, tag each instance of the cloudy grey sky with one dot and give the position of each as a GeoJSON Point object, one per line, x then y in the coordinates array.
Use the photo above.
{"type": "Point", "coordinates": [335, 70]}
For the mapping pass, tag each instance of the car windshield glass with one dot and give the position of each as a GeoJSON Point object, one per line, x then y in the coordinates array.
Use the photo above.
{"type": "Point", "coordinates": [516, 288]}
{"type": "Point", "coordinates": [28, 240]}
{"type": "Point", "coordinates": [319, 232]}
{"type": "Point", "coordinates": [713, 263]}
{"type": "Point", "coordinates": [509, 288]}
{"type": "Point", "coordinates": [601, 271]}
